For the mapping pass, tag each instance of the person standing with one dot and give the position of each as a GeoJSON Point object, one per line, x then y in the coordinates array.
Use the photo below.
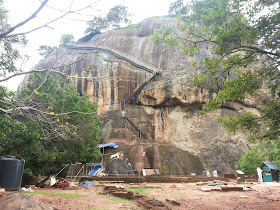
{"type": "Point", "coordinates": [259, 170]}
{"type": "Point", "coordinates": [204, 172]}
{"type": "Point", "coordinates": [215, 173]}
{"type": "Point", "coordinates": [208, 174]}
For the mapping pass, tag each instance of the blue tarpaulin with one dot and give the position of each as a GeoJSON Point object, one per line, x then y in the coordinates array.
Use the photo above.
{"type": "Point", "coordinates": [94, 171]}
{"type": "Point", "coordinates": [114, 145]}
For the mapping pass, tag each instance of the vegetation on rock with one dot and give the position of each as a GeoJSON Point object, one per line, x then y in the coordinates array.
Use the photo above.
{"type": "Point", "coordinates": [178, 8]}
{"type": "Point", "coordinates": [243, 37]}
{"type": "Point", "coordinates": [114, 18]}
{"type": "Point", "coordinates": [48, 123]}
{"type": "Point", "coordinates": [65, 39]}
{"type": "Point", "coordinates": [57, 134]}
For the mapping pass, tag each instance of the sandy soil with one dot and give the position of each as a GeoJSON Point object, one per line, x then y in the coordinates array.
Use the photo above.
{"type": "Point", "coordinates": [262, 196]}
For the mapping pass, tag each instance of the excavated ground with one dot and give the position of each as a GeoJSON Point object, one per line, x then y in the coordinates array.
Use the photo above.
{"type": "Point", "coordinates": [262, 196]}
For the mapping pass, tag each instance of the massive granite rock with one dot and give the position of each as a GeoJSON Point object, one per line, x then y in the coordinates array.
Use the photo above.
{"type": "Point", "coordinates": [111, 66]}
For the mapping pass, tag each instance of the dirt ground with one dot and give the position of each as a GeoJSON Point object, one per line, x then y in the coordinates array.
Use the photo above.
{"type": "Point", "coordinates": [262, 196]}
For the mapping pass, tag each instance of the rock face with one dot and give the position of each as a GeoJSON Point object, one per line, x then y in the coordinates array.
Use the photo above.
{"type": "Point", "coordinates": [121, 66]}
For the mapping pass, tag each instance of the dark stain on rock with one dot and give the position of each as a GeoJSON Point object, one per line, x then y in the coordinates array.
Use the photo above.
{"type": "Point", "coordinates": [112, 85]}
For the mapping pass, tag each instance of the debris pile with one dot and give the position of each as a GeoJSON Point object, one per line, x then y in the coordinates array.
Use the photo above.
{"type": "Point", "coordinates": [218, 185]}
{"type": "Point", "coordinates": [86, 183]}
{"type": "Point", "coordinates": [62, 183]}
{"type": "Point", "coordinates": [142, 200]}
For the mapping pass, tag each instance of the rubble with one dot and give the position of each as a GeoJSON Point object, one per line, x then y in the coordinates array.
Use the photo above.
{"type": "Point", "coordinates": [27, 189]}
{"type": "Point", "coordinates": [217, 185]}
{"type": "Point", "coordinates": [142, 200]}
{"type": "Point", "coordinates": [173, 202]}
{"type": "Point", "coordinates": [62, 183]}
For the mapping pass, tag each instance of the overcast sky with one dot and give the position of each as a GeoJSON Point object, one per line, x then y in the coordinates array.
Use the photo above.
{"type": "Point", "coordinates": [72, 24]}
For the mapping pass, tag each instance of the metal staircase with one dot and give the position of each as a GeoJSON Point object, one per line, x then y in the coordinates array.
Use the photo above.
{"type": "Point", "coordinates": [136, 128]}
{"type": "Point", "coordinates": [134, 60]}
{"type": "Point", "coordinates": [131, 98]}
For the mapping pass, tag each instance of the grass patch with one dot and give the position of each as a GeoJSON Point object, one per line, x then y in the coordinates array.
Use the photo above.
{"type": "Point", "coordinates": [83, 52]}
{"type": "Point", "coordinates": [179, 194]}
{"type": "Point", "coordinates": [66, 195]}
{"type": "Point", "coordinates": [107, 60]}
{"type": "Point", "coordinates": [117, 199]}
{"type": "Point", "coordinates": [130, 26]}
{"type": "Point", "coordinates": [158, 17]}
{"type": "Point", "coordinates": [141, 189]}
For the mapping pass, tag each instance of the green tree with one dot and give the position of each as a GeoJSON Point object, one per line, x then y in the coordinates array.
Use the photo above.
{"type": "Point", "coordinates": [241, 35]}
{"type": "Point", "coordinates": [45, 50]}
{"type": "Point", "coordinates": [250, 161]}
{"type": "Point", "coordinates": [114, 18]}
{"type": "Point", "coordinates": [65, 39]}
{"type": "Point", "coordinates": [96, 25]}
{"type": "Point", "coordinates": [178, 7]}
{"type": "Point", "coordinates": [56, 132]}
{"type": "Point", "coordinates": [9, 53]}
{"type": "Point", "coordinates": [48, 123]}
{"type": "Point", "coordinates": [117, 15]}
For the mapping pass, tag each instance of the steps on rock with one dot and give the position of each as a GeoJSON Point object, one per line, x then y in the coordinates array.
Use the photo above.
{"type": "Point", "coordinates": [152, 172]}
{"type": "Point", "coordinates": [147, 164]}
{"type": "Point", "coordinates": [124, 141]}
{"type": "Point", "coordinates": [124, 133]}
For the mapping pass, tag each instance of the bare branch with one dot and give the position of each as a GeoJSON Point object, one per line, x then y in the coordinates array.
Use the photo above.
{"type": "Point", "coordinates": [47, 24]}
{"type": "Point", "coordinates": [4, 35]}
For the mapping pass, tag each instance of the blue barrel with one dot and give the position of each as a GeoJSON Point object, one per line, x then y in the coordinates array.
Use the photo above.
{"type": "Point", "coordinates": [11, 170]}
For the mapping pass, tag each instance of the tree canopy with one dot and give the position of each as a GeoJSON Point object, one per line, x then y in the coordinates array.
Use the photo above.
{"type": "Point", "coordinates": [56, 131]}
{"type": "Point", "coordinates": [178, 8]}
{"type": "Point", "coordinates": [48, 123]}
{"type": "Point", "coordinates": [243, 37]}
{"type": "Point", "coordinates": [114, 18]}
{"type": "Point", "coordinates": [65, 39]}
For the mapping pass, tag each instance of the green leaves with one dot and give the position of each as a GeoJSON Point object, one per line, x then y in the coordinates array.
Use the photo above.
{"type": "Point", "coordinates": [114, 18]}
{"type": "Point", "coordinates": [250, 161]}
{"type": "Point", "coordinates": [49, 137]}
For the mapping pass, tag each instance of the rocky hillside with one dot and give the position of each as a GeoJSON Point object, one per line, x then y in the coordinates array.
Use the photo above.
{"type": "Point", "coordinates": [122, 70]}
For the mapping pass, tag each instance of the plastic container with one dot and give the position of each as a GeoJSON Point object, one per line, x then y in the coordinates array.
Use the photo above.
{"type": "Point", "coordinates": [11, 170]}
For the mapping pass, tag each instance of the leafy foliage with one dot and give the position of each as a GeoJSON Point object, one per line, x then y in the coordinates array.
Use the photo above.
{"type": "Point", "coordinates": [65, 39]}
{"type": "Point", "coordinates": [250, 161]}
{"type": "Point", "coordinates": [241, 35]}
{"type": "Point", "coordinates": [45, 50]}
{"type": "Point", "coordinates": [178, 8]}
{"type": "Point", "coordinates": [114, 18]}
{"type": "Point", "coordinates": [51, 139]}
{"type": "Point", "coordinates": [97, 24]}
{"type": "Point", "coordinates": [117, 15]}
{"type": "Point", "coordinates": [8, 51]}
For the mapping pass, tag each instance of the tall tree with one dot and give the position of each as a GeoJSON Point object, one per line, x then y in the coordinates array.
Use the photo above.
{"type": "Point", "coordinates": [178, 8]}
{"type": "Point", "coordinates": [48, 123]}
{"type": "Point", "coordinates": [117, 15]}
{"type": "Point", "coordinates": [9, 53]}
{"type": "Point", "coordinates": [96, 25]}
{"type": "Point", "coordinates": [65, 39]}
{"type": "Point", "coordinates": [56, 132]}
{"type": "Point", "coordinates": [241, 35]}
{"type": "Point", "coordinates": [114, 18]}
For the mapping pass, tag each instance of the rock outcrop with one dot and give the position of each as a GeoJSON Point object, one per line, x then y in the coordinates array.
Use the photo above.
{"type": "Point", "coordinates": [113, 66]}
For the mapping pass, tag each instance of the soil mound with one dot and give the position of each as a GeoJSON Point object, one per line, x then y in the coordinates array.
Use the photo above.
{"type": "Point", "coordinates": [21, 202]}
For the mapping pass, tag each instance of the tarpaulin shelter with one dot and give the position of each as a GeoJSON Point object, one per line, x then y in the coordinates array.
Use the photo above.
{"type": "Point", "coordinates": [113, 145]}
{"type": "Point", "coordinates": [270, 171]}
{"type": "Point", "coordinates": [95, 170]}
